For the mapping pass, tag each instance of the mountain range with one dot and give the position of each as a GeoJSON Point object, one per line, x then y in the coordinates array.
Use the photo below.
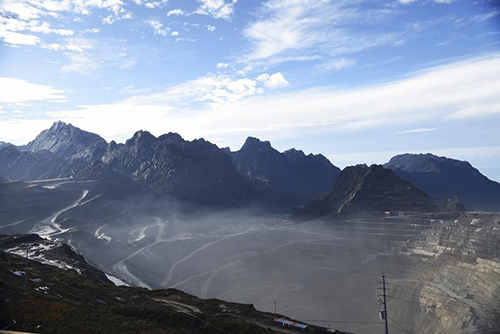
{"type": "Point", "coordinates": [200, 172]}
{"type": "Point", "coordinates": [194, 171]}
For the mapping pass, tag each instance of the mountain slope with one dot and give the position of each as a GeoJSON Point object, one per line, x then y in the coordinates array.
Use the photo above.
{"type": "Point", "coordinates": [374, 189]}
{"type": "Point", "coordinates": [23, 205]}
{"type": "Point", "coordinates": [66, 141]}
{"type": "Point", "coordinates": [195, 171]}
{"type": "Point", "coordinates": [446, 178]}
{"type": "Point", "coordinates": [188, 170]}
{"type": "Point", "coordinates": [79, 299]}
{"type": "Point", "coordinates": [18, 165]}
{"type": "Point", "coordinates": [290, 176]}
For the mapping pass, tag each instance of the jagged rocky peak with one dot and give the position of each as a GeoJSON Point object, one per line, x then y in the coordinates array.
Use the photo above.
{"type": "Point", "coordinates": [446, 178]}
{"type": "Point", "coordinates": [291, 176]}
{"type": "Point", "coordinates": [67, 141]}
{"type": "Point", "coordinates": [300, 153]}
{"type": "Point", "coordinates": [188, 170]}
{"type": "Point", "coordinates": [140, 137]}
{"type": "Point", "coordinates": [373, 190]}
{"type": "Point", "coordinates": [171, 136]}
{"type": "Point", "coordinates": [252, 143]}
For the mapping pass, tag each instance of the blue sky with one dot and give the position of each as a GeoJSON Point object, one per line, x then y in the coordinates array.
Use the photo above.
{"type": "Point", "coordinates": [358, 81]}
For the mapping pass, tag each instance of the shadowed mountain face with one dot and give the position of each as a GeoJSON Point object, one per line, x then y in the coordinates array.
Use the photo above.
{"type": "Point", "coordinates": [362, 189]}
{"type": "Point", "coordinates": [18, 165]}
{"type": "Point", "coordinates": [445, 178]}
{"type": "Point", "coordinates": [195, 171]}
{"type": "Point", "coordinates": [290, 176]}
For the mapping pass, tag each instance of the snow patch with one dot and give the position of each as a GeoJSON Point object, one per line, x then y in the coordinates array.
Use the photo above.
{"type": "Point", "coordinates": [116, 281]}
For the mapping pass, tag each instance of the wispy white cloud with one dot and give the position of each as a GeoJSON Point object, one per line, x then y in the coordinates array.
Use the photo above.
{"type": "Point", "coordinates": [408, 2]}
{"type": "Point", "coordinates": [92, 30]}
{"type": "Point", "coordinates": [338, 64]}
{"type": "Point", "coordinates": [308, 28]}
{"type": "Point", "coordinates": [177, 12]}
{"type": "Point", "coordinates": [443, 43]}
{"type": "Point", "coordinates": [211, 90]}
{"type": "Point", "coordinates": [419, 130]}
{"type": "Point", "coordinates": [273, 81]}
{"type": "Point", "coordinates": [158, 27]}
{"type": "Point", "coordinates": [19, 32]}
{"type": "Point", "coordinates": [219, 9]}
{"type": "Point", "coordinates": [29, 9]}
{"type": "Point", "coordinates": [14, 91]}
{"type": "Point", "coordinates": [227, 108]}
{"type": "Point", "coordinates": [20, 20]}
{"type": "Point", "coordinates": [151, 4]}
{"type": "Point", "coordinates": [87, 56]}
{"type": "Point", "coordinates": [486, 16]}
{"type": "Point", "coordinates": [16, 38]}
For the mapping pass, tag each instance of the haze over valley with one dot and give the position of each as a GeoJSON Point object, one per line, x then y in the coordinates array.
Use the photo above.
{"type": "Point", "coordinates": [261, 226]}
{"type": "Point", "coordinates": [245, 167]}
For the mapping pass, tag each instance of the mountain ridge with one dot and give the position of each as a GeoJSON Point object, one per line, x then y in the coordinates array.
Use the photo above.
{"type": "Point", "coordinates": [290, 175]}
{"type": "Point", "coordinates": [446, 178]}
{"type": "Point", "coordinates": [373, 190]}
{"type": "Point", "coordinates": [198, 171]}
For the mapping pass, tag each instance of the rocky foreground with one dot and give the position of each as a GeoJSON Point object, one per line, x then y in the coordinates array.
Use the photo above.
{"type": "Point", "coordinates": [67, 295]}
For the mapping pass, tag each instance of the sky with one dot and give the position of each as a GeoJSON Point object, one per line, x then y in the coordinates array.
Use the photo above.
{"type": "Point", "coordinates": [358, 81]}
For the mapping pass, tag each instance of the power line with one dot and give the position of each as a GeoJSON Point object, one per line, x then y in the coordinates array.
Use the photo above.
{"type": "Point", "coordinates": [385, 305]}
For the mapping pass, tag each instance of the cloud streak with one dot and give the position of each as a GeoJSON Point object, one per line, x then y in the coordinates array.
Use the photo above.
{"type": "Point", "coordinates": [419, 130]}
{"type": "Point", "coordinates": [311, 28]}
{"type": "Point", "coordinates": [15, 91]}
{"type": "Point", "coordinates": [230, 109]}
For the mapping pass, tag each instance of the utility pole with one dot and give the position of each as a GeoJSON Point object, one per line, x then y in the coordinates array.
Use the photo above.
{"type": "Point", "coordinates": [26, 270]}
{"type": "Point", "coordinates": [385, 305]}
